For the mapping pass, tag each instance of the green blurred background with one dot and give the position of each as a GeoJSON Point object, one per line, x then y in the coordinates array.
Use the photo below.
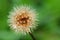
{"type": "Point", "coordinates": [49, 16]}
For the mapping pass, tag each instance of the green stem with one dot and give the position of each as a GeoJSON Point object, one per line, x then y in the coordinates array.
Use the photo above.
{"type": "Point", "coordinates": [33, 38]}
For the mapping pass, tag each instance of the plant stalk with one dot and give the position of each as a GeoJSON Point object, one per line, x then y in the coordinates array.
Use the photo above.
{"type": "Point", "coordinates": [33, 38]}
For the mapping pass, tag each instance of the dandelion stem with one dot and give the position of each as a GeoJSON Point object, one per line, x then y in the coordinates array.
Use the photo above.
{"type": "Point", "coordinates": [33, 38]}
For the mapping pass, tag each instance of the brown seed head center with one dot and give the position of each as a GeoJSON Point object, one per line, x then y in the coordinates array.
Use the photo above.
{"type": "Point", "coordinates": [23, 20]}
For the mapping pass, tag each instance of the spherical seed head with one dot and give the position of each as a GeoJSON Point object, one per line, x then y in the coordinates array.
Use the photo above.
{"type": "Point", "coordinates": [22, 19]}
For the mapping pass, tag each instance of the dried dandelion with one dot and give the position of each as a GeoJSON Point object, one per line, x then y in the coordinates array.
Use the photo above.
{"type": "Point", "coordinates": [23, 19]}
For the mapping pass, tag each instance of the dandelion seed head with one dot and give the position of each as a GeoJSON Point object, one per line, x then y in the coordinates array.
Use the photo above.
{"type": "Point", "coordinates": [22, 19]}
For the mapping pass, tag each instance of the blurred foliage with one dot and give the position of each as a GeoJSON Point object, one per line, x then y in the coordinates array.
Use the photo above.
{"type": "Point", "coordinates": [49, 16]}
